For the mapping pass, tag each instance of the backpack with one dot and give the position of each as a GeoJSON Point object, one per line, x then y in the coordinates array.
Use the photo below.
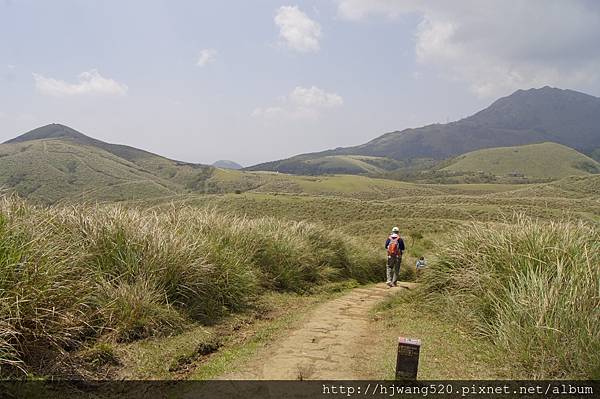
{"type": "Point", "coordinates": [393, 246]}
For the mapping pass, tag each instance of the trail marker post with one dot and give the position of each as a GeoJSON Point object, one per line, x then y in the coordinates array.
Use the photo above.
{"type": "Point", "coordinates": [407, 362]}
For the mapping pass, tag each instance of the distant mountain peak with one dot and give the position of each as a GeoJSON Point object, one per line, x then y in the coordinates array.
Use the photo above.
{"type": "Point", "coordinates": [546, 91]}
{"type": "Point", "coordinates": [57, 131]}
{"type": "Point", "coordinates": [50, 131]}
{"type": "Point", "coordinates": [535, 115]}
{"type": "Point", "coordinates": [227, 164]}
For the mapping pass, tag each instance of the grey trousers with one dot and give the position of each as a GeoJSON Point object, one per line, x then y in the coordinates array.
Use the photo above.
{"type": "Point", "coordinates": [393, 268]}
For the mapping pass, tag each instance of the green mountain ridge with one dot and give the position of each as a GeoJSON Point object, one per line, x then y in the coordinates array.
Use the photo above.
{"type": "Point", "coordinates": [55, 162]}
{"type": "Point", "coordinates": [62, 132]}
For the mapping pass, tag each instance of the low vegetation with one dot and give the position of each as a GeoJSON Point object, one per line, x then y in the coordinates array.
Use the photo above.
{"type": "Point", "coordinates": [533, 161]}
{"type": "Point", "coordinates": [82, 274]}
{"type": "Point", "coordinates": [529, 286]}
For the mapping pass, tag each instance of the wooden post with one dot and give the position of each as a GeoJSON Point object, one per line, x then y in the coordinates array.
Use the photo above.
{"type": "Point", "coordinates": [407, 362]}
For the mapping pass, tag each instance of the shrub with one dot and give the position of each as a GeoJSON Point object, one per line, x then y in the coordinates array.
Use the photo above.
{"type": "Point", "coordinates": [531, 287]}
{"type": "Point", "coordinates": [136, 310]}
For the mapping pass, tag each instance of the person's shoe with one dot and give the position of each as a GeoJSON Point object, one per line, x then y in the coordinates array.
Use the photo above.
{"type": "Point", "coordinates": [389, 284]}
{"type": "Point", "coordinates": [395, 284]}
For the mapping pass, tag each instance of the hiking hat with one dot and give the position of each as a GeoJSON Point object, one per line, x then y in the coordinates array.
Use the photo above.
{"type": "Point", "coordinates": [395, 230]}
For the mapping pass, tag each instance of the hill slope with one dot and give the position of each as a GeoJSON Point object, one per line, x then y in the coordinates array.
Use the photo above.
{"type": "Point", "coordinates": [525, 117]}
{"type": "Point", "coordinates": [330, 164]}
{"type": "Point", "coordinates": [546, 160]}
{"type": "Point", "coordinates": [569, 187]}
{"type": "Point", "coordinates": [56, 162]}
{"type": "Point", "coordinates": [62, 132]}
{"type": "Point", "coordinates": [51, 170]}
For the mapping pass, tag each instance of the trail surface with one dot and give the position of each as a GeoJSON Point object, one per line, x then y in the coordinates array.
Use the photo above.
{"type": "Point", "coordinates": [329, 344]}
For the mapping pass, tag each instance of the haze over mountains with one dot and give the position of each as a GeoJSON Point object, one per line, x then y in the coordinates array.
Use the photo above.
{"type": "Point", "coordinates": [56, 162]}
{"type": "Point", "coordinates": [527, 116]}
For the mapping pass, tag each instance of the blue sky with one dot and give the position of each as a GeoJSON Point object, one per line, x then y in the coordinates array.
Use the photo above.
{"type": "Point", "coordinates": [254, 81]}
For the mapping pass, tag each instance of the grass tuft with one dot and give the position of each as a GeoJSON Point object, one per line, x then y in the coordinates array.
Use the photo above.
{"type": "Point", "coordinates": [531, 287]}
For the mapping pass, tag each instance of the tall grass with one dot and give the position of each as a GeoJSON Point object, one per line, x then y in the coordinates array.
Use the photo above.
{"type": "Point", "coordinates": [532, 287]}
{"type": "Point", "coordinates": [74, 274]}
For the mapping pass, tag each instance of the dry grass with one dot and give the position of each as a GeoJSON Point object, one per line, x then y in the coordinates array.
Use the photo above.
{"type": "Point", "coordinates": [73, 275]}
{"type": "Point", "coordinates": [531, 287]}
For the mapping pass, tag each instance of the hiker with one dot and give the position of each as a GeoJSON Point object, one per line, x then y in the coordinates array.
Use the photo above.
{"type": "Point", "coordinates": [394, 245]}
{"type": "Point", "coordinates": [421, 264]}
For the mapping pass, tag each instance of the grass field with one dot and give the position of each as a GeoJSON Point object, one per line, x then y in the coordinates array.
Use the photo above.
{"type": "Point", "coordinates": [432, 223]}
{"type": "Point", "coordinates": [119, 296]}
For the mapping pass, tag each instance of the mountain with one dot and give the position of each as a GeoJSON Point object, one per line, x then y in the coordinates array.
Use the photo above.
{"type": "Point", "coordinates": [332, 164]}
{"type": "Point", "coordinates": [537, 161]}
{"type": "Point", "coordinates": [227, 164]}
{"type": "Point", "coordinates": [55, 162]}
{"type": "Point", "coordinates": [525, 117]}
{"type": "Point", "coordinates": [62, 132]}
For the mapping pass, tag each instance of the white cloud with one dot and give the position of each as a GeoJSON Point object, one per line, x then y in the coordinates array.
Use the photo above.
{"type": "Point", "coordinates": [314, 97]}
{"type": "Point", "coordinates": [90, 82]}
{"type": "Point", "coordinates": [301, 103]}
{"type": "Point", "coordinates": [298, 31]}
{"type": "Point", "coordinates": [499, 46]}
{"type": "Point", "coordinates": [207, 56]}
{"type": "Point", "coordinates": [267, 112]}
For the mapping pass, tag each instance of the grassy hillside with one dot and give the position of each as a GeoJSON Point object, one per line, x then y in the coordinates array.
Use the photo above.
{"type": "Point", "coordinates": [55, 163]}
{"type": "Point", "coordinates": [76, 276]}
{"type": "Point", "coordinates": [427, 215]}
{"type": "Point", "coordinates": [569, 187]}
{"type": "Point", "coordinates": [65, 133]}
{"type": "Point", "coordinates": [545, 160]}
{"type": "Point", "coordinates": [333, 164]}
{"type": "Point", "coordinates": [55, 169]}
{"type": "Point", "coordinates": [51, 170]}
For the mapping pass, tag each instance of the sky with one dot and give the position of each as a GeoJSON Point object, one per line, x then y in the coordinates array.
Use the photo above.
{"type": "Point", "coordinates": [254, 81]}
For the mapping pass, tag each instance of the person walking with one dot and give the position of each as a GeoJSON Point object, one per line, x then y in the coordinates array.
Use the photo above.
{"type": "Point", "coordinates": [395, 246]}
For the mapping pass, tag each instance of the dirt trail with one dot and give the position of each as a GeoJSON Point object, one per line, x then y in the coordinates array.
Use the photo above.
{"type": "Point", "coordinates": [329, 344]}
